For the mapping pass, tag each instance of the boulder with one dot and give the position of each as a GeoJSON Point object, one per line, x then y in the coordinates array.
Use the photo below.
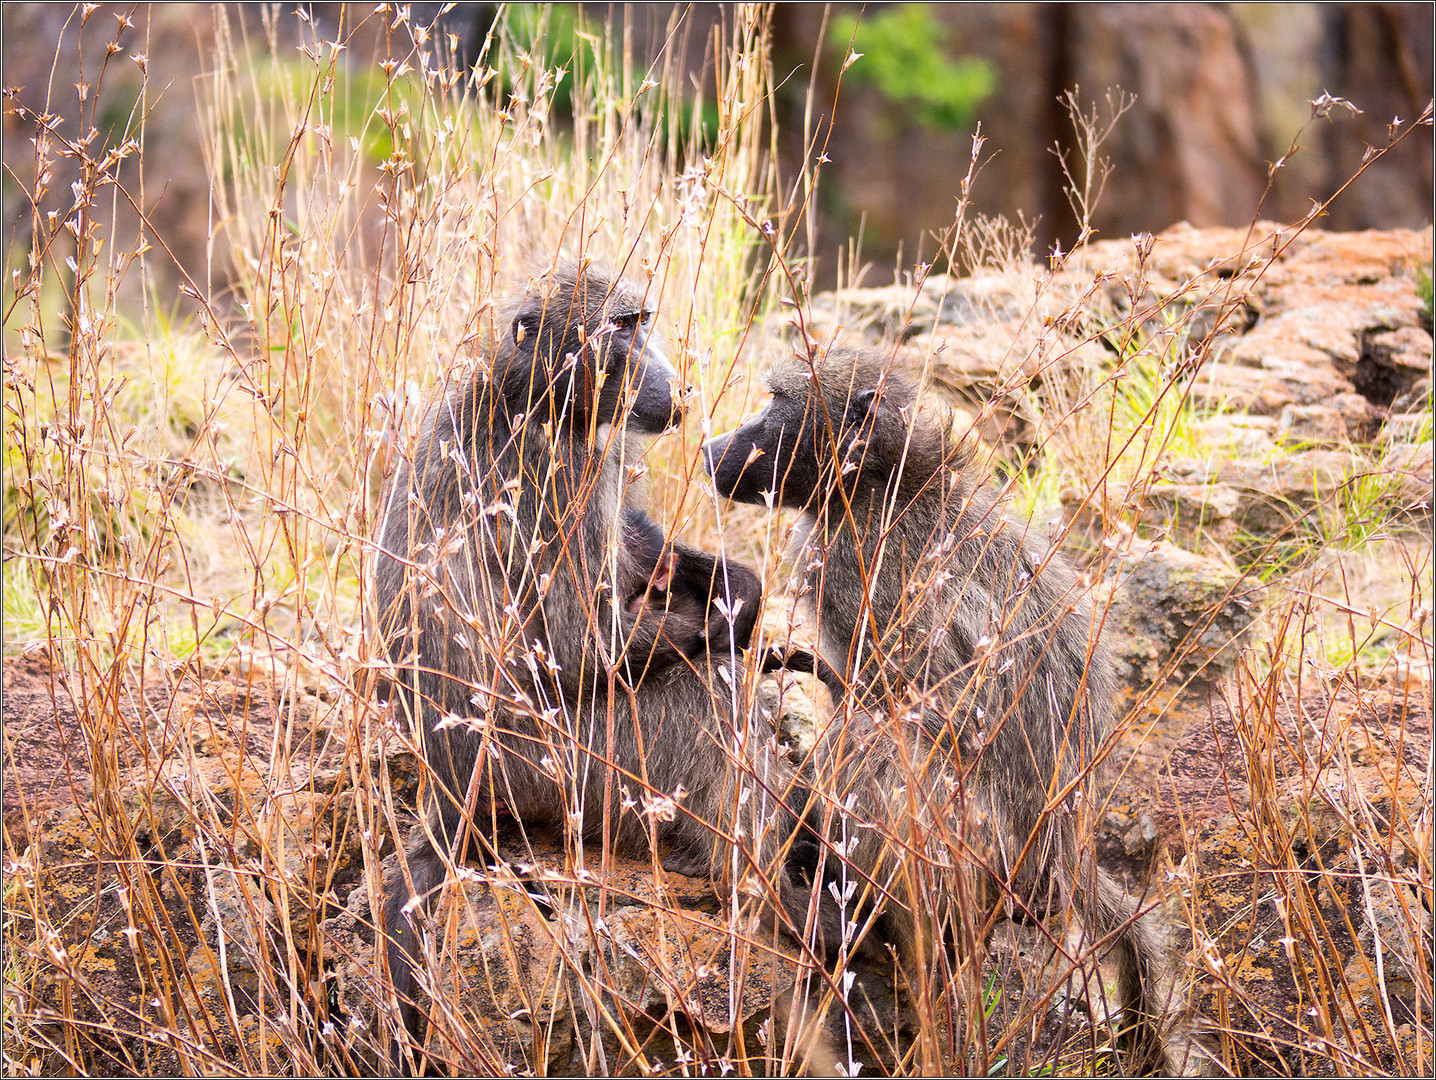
{"type": "Point", "coordinates": [1407, 349]}
{"type": "Point", "coordinates": [526, 943]}
{"type": "Point", "coordinates": [1287, 373]}
{"type": "Point", "coordinates": [1175, 615]}
{"type": "Point", "coordinates": [1238, 434]}
{"type": "Point", "coordinates": [1281, 495]}
{"type": "Point", "coordinates": [1193, 512]}
{"type": "Point", "coordinates": [1312, 425]}
{"type": "Point", "coordinates": [1393, 364]}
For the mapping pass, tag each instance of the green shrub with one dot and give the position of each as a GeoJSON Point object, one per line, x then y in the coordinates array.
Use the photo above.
{"type": "Point", "coordinates": [902, 54]}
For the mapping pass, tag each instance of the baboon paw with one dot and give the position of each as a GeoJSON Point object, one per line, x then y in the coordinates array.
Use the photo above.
{"type": "Point", "coordinates": [688, 863]}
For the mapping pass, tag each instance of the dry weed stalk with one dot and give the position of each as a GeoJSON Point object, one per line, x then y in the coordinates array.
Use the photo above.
{"type": "Point", "coordinates": [188, 509]}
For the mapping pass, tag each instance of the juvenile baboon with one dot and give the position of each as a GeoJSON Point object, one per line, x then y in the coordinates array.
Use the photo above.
{"type": "Point", "coordinates": [554, 652]}
{"type": "Point", "coordinates": [973, 694]}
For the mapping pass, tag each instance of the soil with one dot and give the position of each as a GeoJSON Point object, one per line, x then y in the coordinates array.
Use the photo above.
{"type": "Point", "coordinates": [88, 862]}
{"type": "Point", "coordinates": [1184, 781]}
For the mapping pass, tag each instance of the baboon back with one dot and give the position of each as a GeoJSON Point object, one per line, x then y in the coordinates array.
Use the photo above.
{"type": "Point", "coordinates": [554, 653]}
{"type": "Point", "coordinates": [972, 691]}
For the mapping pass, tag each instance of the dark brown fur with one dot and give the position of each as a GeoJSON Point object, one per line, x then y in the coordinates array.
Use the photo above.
{"type": "Point", "coordinates": [554, 652]}
{"type": "Point", "coordinates": [972, 693]}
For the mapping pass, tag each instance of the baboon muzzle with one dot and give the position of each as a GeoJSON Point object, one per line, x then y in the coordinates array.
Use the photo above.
{"type": "Point", "coordinates": [741, 470]}
{"type": "Point", "coordinates": [719, 466]}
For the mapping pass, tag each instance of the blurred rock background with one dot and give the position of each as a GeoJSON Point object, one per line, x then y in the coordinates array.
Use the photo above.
{"type": "Point", "coordinates": [1220, 92]}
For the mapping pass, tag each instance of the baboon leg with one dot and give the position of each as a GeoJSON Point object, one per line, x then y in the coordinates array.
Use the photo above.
{"type": "Point", "coordinates": [764, 823]}
{"type": "Point", "coordinates": [837, 849]}
{"type": "Point", "coordinates": [427, 870]}
{"type": "Point", "coordinates": [1148, 989]}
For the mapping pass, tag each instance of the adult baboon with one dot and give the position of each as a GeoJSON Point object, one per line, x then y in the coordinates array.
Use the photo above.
{"type": "Point", "coordinates": [553, 651]}
{"type": "Point", "coordinates": [972, 692]}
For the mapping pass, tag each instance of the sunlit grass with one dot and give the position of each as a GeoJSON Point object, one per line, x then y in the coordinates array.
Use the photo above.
{"type": "Point", "coordinates": [191, 479]}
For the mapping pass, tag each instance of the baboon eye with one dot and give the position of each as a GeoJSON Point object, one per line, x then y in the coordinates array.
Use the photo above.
{"type": "Point", "coordinates": [632, 320]}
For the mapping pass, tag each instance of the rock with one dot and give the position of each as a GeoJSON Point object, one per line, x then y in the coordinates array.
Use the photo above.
{"type": "Point", "coordinates": [1418, 396]}
{"type": "Point", "coordinates": [353, 976]}
{"type": "Point", "coordinates": [790, 702]}
{"type": "Point", "coordinates": [989, 370]}
{"type": "Point", "coordinates": [985, 297]}
{"type": "Point", "coordinates": [526, 943]}
{"type": "Point", "coordinates": [1000, 356]}
{"type": "Point", "coordinates": [880, 314]}
{"type": "Point", "coordinates": [1290, 374]}
{"type": "Point", "coordinates": [244, 939]}
{"type": "Point", "coordinates": [1333, 316]}
{"type": "Point", "coordinates": [505, 981]}
{"type": "Point", "coordinates": [1363, 419]}
{"type": "Point", "coordinates": [1298, 490]}
{"type": "Point", "coordinates": [1384, 258]}
{"type": "Point", "coordinates": [1339, 314]}
{"type": "Point", "coordinates": [666, 961]}
{"type": "Point", "coordinates": [1406, 428]}
{"type": "Point", "coordinates": [1187, 512]}
{"type": "Point", "coordinates": [1312, 425]}
{"type": "Point", "coordinates": [1395, 923]}
{"type": "Point", "coordinates": [1331, 330]}
{"type": "Point", "coordinates": [1295, 490]}
{"type": "Point", "coordinates": [519, 939]}
{"type": "Point", "coordinates": [1176, 615]}
{"type": "Point", "coordinates": [1238, 434]}
{"type": "Point", "coordinates": [896, 313]}
{"type": "Point", "coordinates": [1392, 364]}
{"type": "Point", "coordinates": [1193, 135]}
{"type": "Point", "coordinates": [1141, 836]}
{"type": "Point", "coordinates": [1409, 465]}
{"type": "Point", "coordinates": [1407, 348]}
{"type": "Point", "coordinates": [207, 994]}
{"type": "Point", "coordinates": [1180, 254]}
{"type": "Point", "coordinates": [505, 985]}
{"type": "Point", "coordinates": [170, 795]}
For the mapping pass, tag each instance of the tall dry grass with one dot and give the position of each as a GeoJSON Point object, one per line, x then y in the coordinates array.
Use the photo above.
{"type": "Point", "coordinates": [190, 506]}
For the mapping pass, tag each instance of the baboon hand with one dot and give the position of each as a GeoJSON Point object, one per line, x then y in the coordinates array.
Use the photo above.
{"type": "Point", "coordinates": [791, 658]}
{"type": "Point", "coordinates": [788, 658]}
{"type": "Point", "coordinates": [688, 862]}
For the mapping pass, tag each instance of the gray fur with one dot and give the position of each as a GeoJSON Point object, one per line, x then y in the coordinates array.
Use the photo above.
{"type": "Point", "coordinates": [546, 653]}
{"type": "Point", "coordinates": [972, 691]}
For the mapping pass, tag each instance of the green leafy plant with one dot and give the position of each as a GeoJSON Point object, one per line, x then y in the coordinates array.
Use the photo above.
{"type": "Point", "coordinates": [902, 53]}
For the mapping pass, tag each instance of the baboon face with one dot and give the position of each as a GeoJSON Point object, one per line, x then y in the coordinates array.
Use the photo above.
{"type": "Point", "coordinates": [797, 447]}
{"type": "Point", "coordinates": [583, 353]}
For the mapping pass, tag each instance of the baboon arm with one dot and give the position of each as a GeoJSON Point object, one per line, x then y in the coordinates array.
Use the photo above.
{"type": "Point", "coordinates": [728, 593]}
{"type": "Point", "coordinates": [686, 602]}
{"type": "Point", "coordinates": [631, 629]}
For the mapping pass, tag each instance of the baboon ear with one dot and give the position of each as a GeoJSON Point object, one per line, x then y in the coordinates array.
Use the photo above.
{"type": "Point", "coordinates": [525, 326]}
{"type": "Point", "coordinates": [867, 405]}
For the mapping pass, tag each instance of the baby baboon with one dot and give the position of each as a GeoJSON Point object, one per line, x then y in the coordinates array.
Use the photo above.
{"type": "Point", "coordinates": [552, 649]}
{"type": "Point", "coordinates": [965, 664]}
{"type": "Point", "coordinates": [678, 577]}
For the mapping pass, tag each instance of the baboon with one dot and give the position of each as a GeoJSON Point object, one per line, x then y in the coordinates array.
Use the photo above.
{"type": "Point", "coordinates": [940, 618]}
{"type": "Point", "coordinates": [552, 649]}
{"type": "Point", "coordinates": [661, 579]}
